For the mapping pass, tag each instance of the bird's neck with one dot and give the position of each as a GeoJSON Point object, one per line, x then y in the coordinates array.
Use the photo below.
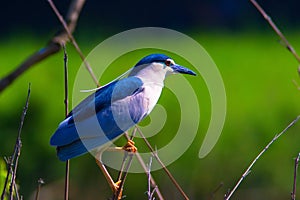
{"type": "Point", "coordinates": [150, 75]}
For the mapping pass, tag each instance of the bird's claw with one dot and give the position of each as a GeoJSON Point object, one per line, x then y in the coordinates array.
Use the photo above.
{"type": "Point", "coordinates": [129, 147]}
{"type": "Point", "coordinates": [116, 186]}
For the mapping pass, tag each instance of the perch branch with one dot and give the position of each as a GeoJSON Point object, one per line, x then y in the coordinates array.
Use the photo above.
{"type": "Point", "coordinates": [124, 168]}
{"type": "Point", "coordinates": [248, 170]}
{"type": "Point", "coordinates": [52, 47]}
{"type": "Point", "coordinates": [162, 164]}
{"type": "Point", "coordinates": [146, 169]}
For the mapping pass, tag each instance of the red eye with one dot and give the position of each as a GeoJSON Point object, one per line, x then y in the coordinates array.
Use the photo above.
{"type": "Point", "coordinates": [168, 62]}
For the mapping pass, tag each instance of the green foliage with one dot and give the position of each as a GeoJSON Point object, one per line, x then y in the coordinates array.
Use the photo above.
{"type": "Point", "coordinates": [3, 174]}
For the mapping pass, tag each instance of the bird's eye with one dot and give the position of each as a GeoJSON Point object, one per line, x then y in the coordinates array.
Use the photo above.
{"type": "Point", "coordinates": [168, 62]}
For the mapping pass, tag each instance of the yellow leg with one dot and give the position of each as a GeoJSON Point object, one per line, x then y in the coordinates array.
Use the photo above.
{"type": "Point", "coordinates": [114, 186]}
{"type": "Point", "coordinates": [129, 147]}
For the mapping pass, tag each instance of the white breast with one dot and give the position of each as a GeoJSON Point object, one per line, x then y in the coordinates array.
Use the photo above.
{"type": "Point", "coordinates": [152, 93]}
{"type": "Point", "coordinates": [152, 76]}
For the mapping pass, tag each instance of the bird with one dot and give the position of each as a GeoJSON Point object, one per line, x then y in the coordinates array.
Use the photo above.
{"type": "Point", "coordinates": [115, 107]}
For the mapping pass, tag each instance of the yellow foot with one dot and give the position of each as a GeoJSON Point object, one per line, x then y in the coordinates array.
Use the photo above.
{"type": "Point", "coordinates": [129, 147]}
{"type": "Point", "coordinates": [116, 186]}
{"type": "Point", "coordinates": [116, 190]}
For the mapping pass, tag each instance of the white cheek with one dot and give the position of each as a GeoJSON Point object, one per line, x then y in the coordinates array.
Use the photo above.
{"type": "Point", "coordinates": [156, 67]}
{"type": "Point", "coordinates": [169, 71]}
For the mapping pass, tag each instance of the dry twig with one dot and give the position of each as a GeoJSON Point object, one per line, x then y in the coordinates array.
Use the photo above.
{"type": "Point", "coordinates": [66, 101]}
{"type": "Point", "coordinates": [162, 164]}
{"type": "Point", "coordinates": [124, 168]}
{"type": "Point", "coordinates": [14, 160]}
{"type": "Point", "coordinates": [73, 41]}
{"type": "Point", "coordinates": [149, 192]}
{"type": "Point", "coordinates": [276, 29]}
{"type": "Point", "coordinates": [248, 170]}
{"type": "Point", "coordinates": [52, 47]}
{"type": "Point", "coordinates": [152, 181]}
{"type": "Point", "coordinates": [40, 183]}
{"type": "Point", "coordinates": [146, 169]}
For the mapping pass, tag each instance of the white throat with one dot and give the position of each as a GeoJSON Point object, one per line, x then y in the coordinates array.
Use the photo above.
{"type": "Point", "coordinates": [154, 73]}
{"type": "Point", "coordinates": [152, 76]}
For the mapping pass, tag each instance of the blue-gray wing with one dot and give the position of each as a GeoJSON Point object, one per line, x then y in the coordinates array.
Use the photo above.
{"type": "Point", "coordinates": [99, 109]}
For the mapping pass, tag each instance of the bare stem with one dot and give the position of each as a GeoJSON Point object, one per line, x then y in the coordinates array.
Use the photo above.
{"type": "Point", "coordinates": [149, 193]}
{"type": "Point", "coordinates": [40, 183]}
{"type": "Point", "coordinates": [124, 168]}
{"type": "Point", "coordinates": [9, 168]}
{"type": "Point", "coordinates": [73, 41]}
{"type": "Point", "coordinates": [66, 102]}
{"type": "Point", "coordinates": [153, 183]}
{"type": "Point", "coordinates": [276, 29]}
{"type": "Point", "coordinates": [248, 170]}
{"type": "Point", "coordinates": [18, 146]}
{"type": "Point", "coordinates": [52, 47]}
{"type": "Point", "coordinates": [162, 164]}
{"type": "Point", "coordinates": [118, 194]}
{"type": "Point", "coordinates": [293, 195]}
{"type": "Point", "coordinates": [142, 163]}
{"type": "Point", "coordinates": [14, 160]}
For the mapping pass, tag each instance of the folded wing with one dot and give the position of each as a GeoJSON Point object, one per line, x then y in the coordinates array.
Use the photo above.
{"type": "Point", "coordinates": [100, 118]}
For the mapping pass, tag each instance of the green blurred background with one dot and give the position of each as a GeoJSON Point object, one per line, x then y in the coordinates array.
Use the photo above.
{"type": "Point", "coordinates": [258, 74]}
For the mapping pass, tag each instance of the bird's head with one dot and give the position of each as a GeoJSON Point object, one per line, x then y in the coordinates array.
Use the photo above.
{"type": "Point", "coordinates": [159, 64]}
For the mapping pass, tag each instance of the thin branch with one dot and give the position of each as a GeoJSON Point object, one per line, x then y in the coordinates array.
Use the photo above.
{"type": "Point", "coordinates": [66, 81]}
{"type": "Point", "coordinates": [124, 168]}
{"type": "Point", "coordinates": [162, 164]}
{"type": "Point", "coordinates": [14, 160]}
{"type": "Point", "coordinates": [149, 175]}
{"type": "Point", "coordinates": [125, 154]}
{"type": "Point", "coordinates": [118, 194]}
{"type": "Point", "coordinates": [18, 146]}
{"type": "Point", "coordinates": [17, 193]}
{"type": "Point", "coordinates": [73, 41]}
{"type": "Point", "coordinates": [12, 187]}
{"type": "Point", "coordinates": [52, 47]}
{"type": "Point", "coordinates": [9, 169]}
{"type": "Point", "coordinates": [73, 14]}
{"type": "Point", "coordinates": [293, 194]}
{"type": "Point", "coordinates": [123, 172]}
{"type": "Point", "coordinates": [145, 168]}
{"type": "Point", "coordinates": [66, 102]}
{"type": "Point", "coordinates": [149, 192]}
{"type": "Point", "coordinates": [153, 183]}
{"type": "Point", "coordinates": [276, 29]}
{"type": "Point", "coordinates": [40, 183]}
{"type": "Point", "coordinates": [248, 170]}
